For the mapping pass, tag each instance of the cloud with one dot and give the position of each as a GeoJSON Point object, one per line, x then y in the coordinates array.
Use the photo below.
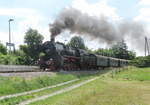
{"type": "Point", "coordinates": [28, 17]}
{"type": "Point", "coordinates": [4, 36]}
{"type": "Point", "coordinates": [25, 18]}
{"type": "Point", "coordinates": [144, 18]}
{"type": "Point", "coordinates": [18, 12]}
{"type": "Point", "coordinates": [144, 2]}
{"type": "Point", "coordinates": [103, 8]}
{"type": "Point", "coordinates": [144, 15]}
{"type": "Point", "coordinates": [96, 9]}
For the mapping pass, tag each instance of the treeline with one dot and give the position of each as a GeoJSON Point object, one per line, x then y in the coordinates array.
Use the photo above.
{"type": "Point", "coordinates": [118, 50]}
{"type": "Point", "coordinates": [29, 53]}
{"type": "Point", "coordinates": [141, 61]}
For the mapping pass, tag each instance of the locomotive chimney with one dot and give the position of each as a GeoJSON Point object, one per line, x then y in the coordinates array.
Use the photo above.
{"type": "Point", "coordinates": [52, 39]}
{"type": "Point", "coordinates": [54, 32]}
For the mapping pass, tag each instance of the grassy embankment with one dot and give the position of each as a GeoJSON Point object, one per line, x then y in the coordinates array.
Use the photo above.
{"type": "Point", "coordinates": [16, 84]}
{"type": "Point", "coordinates": [11, 85]}
{"type": "Point", "coordinates": [129, 87]}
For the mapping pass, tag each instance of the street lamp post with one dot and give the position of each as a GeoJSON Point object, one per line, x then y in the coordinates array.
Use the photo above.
{"type": "Point", "coordinates": [10, 34]}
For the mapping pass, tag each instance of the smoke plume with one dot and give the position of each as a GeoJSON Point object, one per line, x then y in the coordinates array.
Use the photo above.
{"type": "Point", "coordinates": [97, 28]}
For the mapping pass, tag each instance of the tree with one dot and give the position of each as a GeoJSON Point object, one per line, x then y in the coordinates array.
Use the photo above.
{"type": "Point", "coordinates": [104, 52]}
{"type": "Point", "coordinates": [33, 39]}
{"type": "Point", "coordinates": [3, 49]}
{"type": "Point", "coordinates": [77, 42]}
{"type": "Point", "coordinates": [131, 54]}
{"type": "Point", "coordinates": [141, 61]}
{"type": "Point", "coordinates": [120, 50]}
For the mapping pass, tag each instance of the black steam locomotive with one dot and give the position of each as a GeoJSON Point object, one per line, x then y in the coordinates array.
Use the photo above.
{"type": "Point", "coordinates": [58, 56]}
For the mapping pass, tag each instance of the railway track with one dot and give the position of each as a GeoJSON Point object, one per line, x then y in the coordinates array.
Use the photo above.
{"type": "Point", "coordinates": [18, 68]}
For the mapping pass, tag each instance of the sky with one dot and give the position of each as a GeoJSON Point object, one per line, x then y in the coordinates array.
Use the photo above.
{"type": "Point", "coordinates": [38, 14]}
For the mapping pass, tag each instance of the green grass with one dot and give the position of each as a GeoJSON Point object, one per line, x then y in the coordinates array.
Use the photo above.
{"type": "Point", "coordinates": [101, 92]}
{"type": "Point", "coordinates": [11, 85]}
{"type": "Point", "coordinates": [16, 100]}
{"type": "Point", "coordinates": [120, 87]}
{"type": "Point", "coordinates": [129, 87]}
{"type": "Point", "coordinates": [140, 74]}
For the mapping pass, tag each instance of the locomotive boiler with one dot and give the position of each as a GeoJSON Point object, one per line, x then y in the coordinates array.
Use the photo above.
{"type": "Point", "coordinates": [58, 56]}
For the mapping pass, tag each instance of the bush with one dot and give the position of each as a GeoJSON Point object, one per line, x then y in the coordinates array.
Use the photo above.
{"type": "Point", "coordinates": [17, 58]}
{"type": "Point", "coordinates": [8, 59]}
{"type": "Point", "coordinates": [3, 49]}
{"type": "Point", "coordinates": [141, 61]}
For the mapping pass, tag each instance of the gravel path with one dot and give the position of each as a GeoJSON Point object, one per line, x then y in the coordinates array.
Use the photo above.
{"type": "Point", "coordinates": [27, 75]}
{"type": "Point", "coordinates": [37, 90]}
{"type": "Point", "coordinates": [57, 92]}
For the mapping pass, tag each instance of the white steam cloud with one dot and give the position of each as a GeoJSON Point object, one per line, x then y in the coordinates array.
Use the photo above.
{"type": "Point", "coordinates": [97, 28]}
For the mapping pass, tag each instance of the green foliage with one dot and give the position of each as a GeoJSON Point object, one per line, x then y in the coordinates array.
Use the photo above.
{"type": "Point", "coordinates": [77, 42]}
{"type": "Point", "coordinates": [24, 48]}
{"type": "Point", "coordinates": [8, 59]}
{"type": "Point", "coordinates": [23, 56]}
{"type": "Point", "coordinates": [3, 49]}
{"type": "Point", "coordinates": [141, 61]}
{"type": "Point", "coordinates": [104, 52]}
{"type": "Point", "coordinates": [17, 58]}
{"type": "Point", "coordinates": [33, 39]}
{"type": "Point", "coordinates": [27, 54]}
{"type": "Point", "coordinates": [131, 55]}
{"type": "Point", "coordinates": [118, 50]}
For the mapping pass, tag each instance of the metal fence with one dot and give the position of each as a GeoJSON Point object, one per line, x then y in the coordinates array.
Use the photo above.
{"type": "Point", "coordinates": [18, 68]}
